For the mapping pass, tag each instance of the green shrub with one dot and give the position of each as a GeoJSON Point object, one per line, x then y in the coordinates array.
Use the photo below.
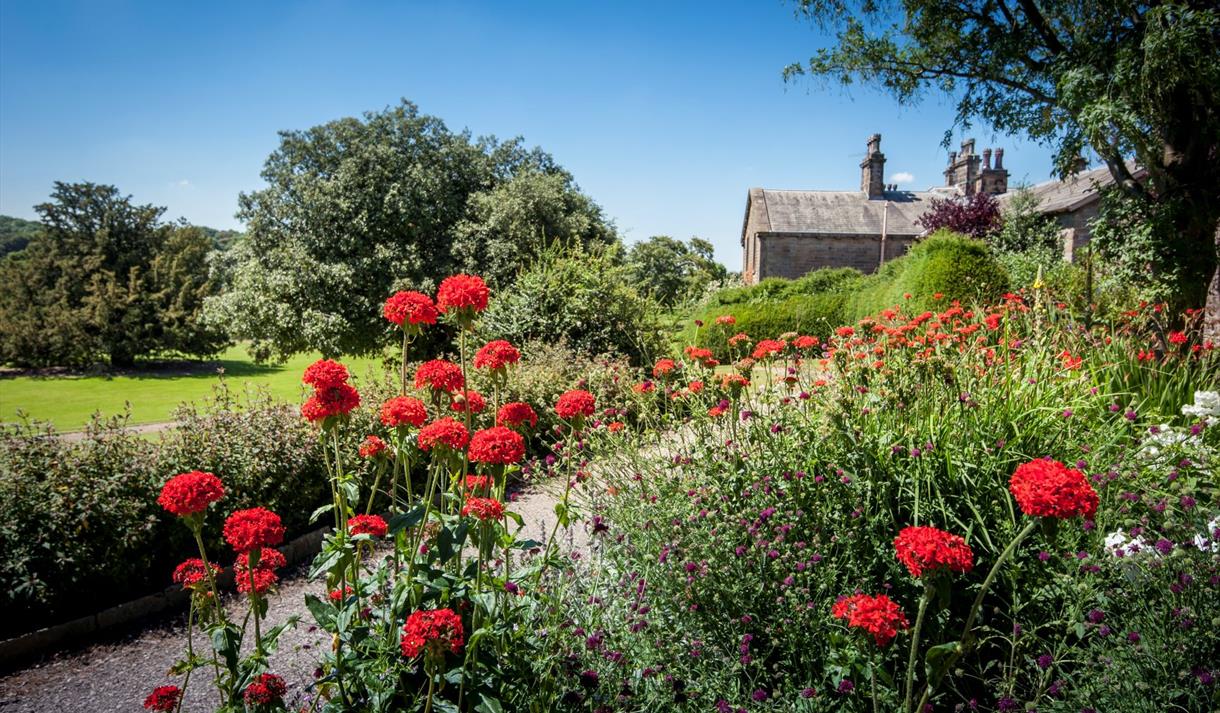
{"type": "Point", "coordinates": [83, 516]}
{"type": "Point", "coordinates": [815, 314]}
{"type": "Point", "coordinates": [582, 295]}
{"type": "Point", "coordinates": [956, 267]}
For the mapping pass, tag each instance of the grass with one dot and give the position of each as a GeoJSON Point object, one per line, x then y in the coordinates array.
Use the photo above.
{"type": "Point", "coordinates": [150, 397]}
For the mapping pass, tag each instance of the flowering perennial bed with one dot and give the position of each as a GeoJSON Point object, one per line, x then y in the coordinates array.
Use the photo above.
{"type": "Point", "coordinates": [994, 509]}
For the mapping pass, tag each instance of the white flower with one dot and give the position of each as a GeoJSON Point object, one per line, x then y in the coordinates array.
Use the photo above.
{"type": "Point", "coordinates": [1206, 407]}
{"type": "Point", "coordinates": [1209, 540]}
{"type": "Point", "coordinates": [1118, 544]}
{"type": "Point", "coordinates": [1162, 437]}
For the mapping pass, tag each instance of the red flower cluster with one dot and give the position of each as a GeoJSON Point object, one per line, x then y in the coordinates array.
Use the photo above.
{"type": "Point", "coordinates": [805, 343]}
{"type": "Point", "coordinates": [1048, 488]}
{"type": "Point", "coordinates": [337, 595]}
{"type": "Point", "coordinates": [443, 432]}
{"type": "Point", "coordinates": [374, 525]}
{"type": "Point", "coordinates": [403, 411]}
{"type": "Point", "coordinates": [439, 375]}
{"type": "Point", "coordinates": [483, 508]}
{"type": "Point", "coordinates": [515, 413]}
{"type": "Point", "coordinates": [477, 483]}
{"type": "Point", "coordinates": [255, 527]}
{"type": "Point", "coordinates": [332, 395]}
{"type": "Point", "coordinates": [192, 572]}
{"type": "Point", "coordinates": [163, 698]}
{"type": "Point", "coordinates": [372, 447]}
{"type": "Point", "coordinates": [663, 368]}
{"type": "Point", "coordinates": [410, 308]}
{"type": "Point", "coordinates": [927, 549]}
{"type": "Point", "coordinates": [267, 689]}
{"type": "Point", "coordinates": [575, 403]}
{"type": "Point", "coordinates": [462, 292]}
{"type": "Point", "coordinates": [497, 445]}
{"type": "Point", "coordinates": [472, 400]}
{"type": "Point", "coordinates": [435, 631]}
{"type": "Point", "coordinates": [767, 347]}
{"type": "Point", "coordinates": [190, 493]}
{"type": "Point", "coordinates": [496, 354]}
{"type": "Point", "coordinates": [264, 577]}
{"type": "Point", "coordinates": [877, 615]}
{"type": "Point", "coordinates": [738, 339]}
{"type": "Point", "coordinates": [325, 374]}
{"type": "Point", "coordinates": [726, 319]}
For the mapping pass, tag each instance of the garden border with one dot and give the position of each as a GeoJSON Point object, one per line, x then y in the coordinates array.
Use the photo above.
{"type": "Point", "coordinates": [50, 639]}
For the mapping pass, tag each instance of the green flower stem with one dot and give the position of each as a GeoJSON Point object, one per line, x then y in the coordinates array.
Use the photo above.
{"type": "Point", "coordinates": [252, 558]}
{"type": "Point", "coordinates": [928, 593]}
{"type": "Point", "coordinates": [966, 639]}
{"type": "Point", "coordinates": [872, 680]}
{"type": "Point", "coordinates": [197, 529]}
{"type": "Point", "coordinates": [406, 341]}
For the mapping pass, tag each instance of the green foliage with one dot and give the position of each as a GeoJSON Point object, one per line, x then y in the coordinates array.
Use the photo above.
{"type": "Point", "coordinates": [511, 224]}
{"type": "Point", "coordinates": [813, 314]}
{"type": "Point", "coordinates": [584, 296]}
{"type": "Point", "coordinates": [1130, 80]}
{"type": "Point", "coordinates": [673, 272]}
{"type": "Point", "coordinates": [16, 233]}
{"type": "Point", "coordinates": [956, 267]}
{"type": "Point", "coordinates": [105, 277]}
{"type": "Point", "coordinates": [1025, 228]}
{"type": "Point", "coordinates": [82, 516]}
{"type": "Point", "coordinates": [357, 208]}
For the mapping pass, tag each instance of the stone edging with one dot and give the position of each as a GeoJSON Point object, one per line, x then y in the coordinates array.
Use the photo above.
{"type": "Point", "coordinates": [52, 638]}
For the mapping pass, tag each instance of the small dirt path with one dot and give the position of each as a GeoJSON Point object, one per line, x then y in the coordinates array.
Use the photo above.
{"type": "Point", "coordinates": [116, 674]}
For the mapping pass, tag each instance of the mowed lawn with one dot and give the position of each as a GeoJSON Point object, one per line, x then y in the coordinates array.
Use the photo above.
{"type": "Point", "coordinates": [70, 401]}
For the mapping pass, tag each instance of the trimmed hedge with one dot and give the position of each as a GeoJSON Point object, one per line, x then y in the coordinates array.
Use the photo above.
{"type": "Point", "coordinates": [806, 314]}
{"type": "Point", "coordinates": [954, 266]}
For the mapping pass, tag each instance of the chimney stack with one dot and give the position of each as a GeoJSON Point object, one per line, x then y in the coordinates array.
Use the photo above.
{"type": "Point", "coordinates": [986, 159]}
{"type": "Point", "coordinates": [999, 159]}
{"type": "Point", "coordinates": [872, 169]}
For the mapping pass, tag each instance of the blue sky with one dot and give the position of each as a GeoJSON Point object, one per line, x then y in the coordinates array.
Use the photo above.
{"type": "Point", "coordinates": [665, 112]}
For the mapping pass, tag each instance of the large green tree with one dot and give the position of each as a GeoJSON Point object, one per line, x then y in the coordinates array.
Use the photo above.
{"type": "Point", "coordinates": [1132, 80]}
{"type": "Point", "coordinates": [104, 278]}
{"type": "Point", "coordinates": [508, 226]}
{"type": "Point", "coordinates": [670, 271]}
{"type": "Point", "coordinates": [359, 207]}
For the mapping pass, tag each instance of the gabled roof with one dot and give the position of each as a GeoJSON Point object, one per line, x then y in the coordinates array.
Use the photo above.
{"type": "Point", "coordinates": [1073, 192]}
{"type": "Point", "coordinates": [838, 212]}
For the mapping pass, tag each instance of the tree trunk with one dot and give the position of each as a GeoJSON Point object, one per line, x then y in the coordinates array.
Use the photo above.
{"type": "Point", "coordinates": [1211, 310]}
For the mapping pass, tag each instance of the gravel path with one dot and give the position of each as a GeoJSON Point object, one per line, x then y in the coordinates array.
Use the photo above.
{"type": "Point", "coordinates": [115, 675]}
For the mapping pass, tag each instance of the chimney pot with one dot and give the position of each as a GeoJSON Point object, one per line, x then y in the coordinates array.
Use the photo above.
{"type": "Point", "coordinates": [986, 159]}
{"type": "Point", "coordinates": [999, 159]}
{"type": "Point", "coordinates": [968, 147]}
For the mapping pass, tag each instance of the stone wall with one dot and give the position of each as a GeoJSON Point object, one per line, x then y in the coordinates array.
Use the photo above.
{"type": "Point", "coordinates": [792, 256]}
{"type": "Point", "coordinates": [1076, 231]}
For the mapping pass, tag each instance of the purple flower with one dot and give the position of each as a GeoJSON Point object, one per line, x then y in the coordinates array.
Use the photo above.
{"type": "Point", "coordinates": [808, 693]}
{"type": "Point", "coordinates": [1096, 616]}
{"type": "Point", "coordinates": [846, 686]}
{"type": "Point", "coordinates": [588, 679]}
{"type": "Point", "coordinates": [1133, 637]}
{"type": "Point", "coordinates": [1045, 661]}
{"type": "Point", "coordinates": [1164, 546]}
{"type": "Point", "coordinates": [759, 695]}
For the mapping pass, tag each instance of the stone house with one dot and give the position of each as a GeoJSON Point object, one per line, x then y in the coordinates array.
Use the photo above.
{"type": "Point", "coordinates": [787, 233]}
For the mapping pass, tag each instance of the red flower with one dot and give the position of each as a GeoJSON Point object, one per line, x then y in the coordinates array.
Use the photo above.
{"type": "Point", "coordinates": [331, 401]}
{"type": "Point", "coordinates": [472, 400]}
{"type": "Point", "coordinates": [615, 426]}
{"type": "Point", "coordinates": [462, 292]}
{"type": "Point", "coordinates": [403, 411]}
{"type": "Point", "coordinates": [255, 527]}
{"type": "Point", "coordinates": [845, 331]}
{"type": "Point", "coordinates": [444, 432]}
{"type": "Point", "coordinates": [374, 525]}
{"type": "Point", "coordinates": [163, 698]}
{"type": "Point", "coordinates": [877, 615]}
{"type": "Point", "coordinates": [738, 338]}
{"type": "Point", "coordinates": [515, 413]}
{"type": "Point", "coordinates": [929, 549]}
{"type": "Point", "coordinates": [767, 347]}
{"type": "Point", "coordinates": [695, 387]}
{"type": "Point", "coordinates": [325, 374]}
{"type": "Point", "coordinates": [267, 689]}
{"type": "Point", "coordinates": [496, 354]}
{"type": "Point", "coordinates": [663, 368]}
{"type": "Point", "coordinates": [372, 447]}
{"type": "Point", "coordinates": [1048, 488]}
{"type": "Point", "coordinates": [1177, 337]}
{"type": "Point", "coordinates": [575, 403]}
{"type": "Point", "coordinates": [337, 596]}
{"type": "Point", "coordinates": [439, 375]}
{"type": "Point", "coordinates": [699, 353]}
{"type": "Point", "coordinates": [264, 577]}
{"type": "Point", "coordinates": [190, 493]}
{"type": "Point", "coordinates": [478, 482]}
{"type": "Point", "coordinates": [483, 508]}
{"type": "Point", "coordinates": [644, 387]}
{"type": "Point", "coordinates": [726, 319]}
{"type": "Point", "coordinates": [435, 631]}
{"type": "Point", "coordinates": [497, 445]}
{"type": "Point", "coordinates": [192, 572]}
{"type": "Point", "coordinates": [409, 308]}
{"type": "Point", "coordinates": [805, 342]}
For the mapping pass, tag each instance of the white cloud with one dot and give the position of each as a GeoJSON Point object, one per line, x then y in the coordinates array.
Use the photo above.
{"type": "Point", "coordinates": [902, 177]}
{"type": "Point", "coordinates": [184, 183]}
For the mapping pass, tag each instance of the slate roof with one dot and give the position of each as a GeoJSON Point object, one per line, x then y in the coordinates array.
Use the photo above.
{"type": "Point", "coordinates": [839, 212]}
{"type": "Point", "coordinates": [1073, 192]}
